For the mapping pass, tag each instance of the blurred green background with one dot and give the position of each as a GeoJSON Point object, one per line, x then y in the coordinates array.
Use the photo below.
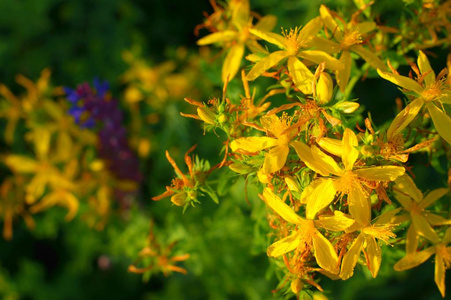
{"type": "Point", "coordinates": [79, 40]}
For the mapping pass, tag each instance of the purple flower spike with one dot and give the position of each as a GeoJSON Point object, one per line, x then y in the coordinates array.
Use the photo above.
{"type": "Point", "coordinates": [92, 107]}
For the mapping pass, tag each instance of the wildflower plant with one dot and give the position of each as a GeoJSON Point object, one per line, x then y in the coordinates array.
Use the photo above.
{"type": "Point", "coordinates": [303, 173]}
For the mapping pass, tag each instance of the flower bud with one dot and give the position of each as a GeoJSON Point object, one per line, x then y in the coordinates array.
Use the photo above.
{"type": "Point", "coordinates": [206, 115]}
{"type": "Point", "coordinates": [292, 184]}
{"type": "Point", "coordinates": [347, 107]}
{"type": "Point", "coordinates": [223, 118]}
{"type": "Point", "coordinates": [179, 199]}
{"type": "Point", "coordinates": [296, 285]}
{"type": "Point", "coordinates": [324, 88]}
{"type": "Point", "coordinates": [240, 168]}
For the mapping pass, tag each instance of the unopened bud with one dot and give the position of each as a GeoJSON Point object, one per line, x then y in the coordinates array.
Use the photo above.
{"type": "Point", "coordinates": [297, 285]}
{"type": "Point", "coordinates": [206, 115]}
{"type": "Point", "coordinates": [292, 184]}
{"type": "Point", "coordinates": [347, 107]}
{"type": "Point", "coordinates": [240, 168]}
{"type": "Point", "coordinates": [223, 118]}
{"type": "Point", "coordinates": [367, 150]}
{"type": "Point", "coordinates": [324, 88]}
{"type": "Point", "coordinates": [179, 199]}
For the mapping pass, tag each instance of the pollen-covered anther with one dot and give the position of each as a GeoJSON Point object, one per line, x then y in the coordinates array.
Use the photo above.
{"type": "Point", "coordinates": [292, 40]}
{"type": "Point", "coordinates": [350, 38]}
{"type": "Point", "coordinates": [445, 253]}
{"type": "Point", "coordinates": [345, 183]}
{"type": "Point", "coordinates": [382, 232]}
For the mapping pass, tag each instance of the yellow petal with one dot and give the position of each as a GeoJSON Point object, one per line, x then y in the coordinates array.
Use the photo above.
{"type": "Point", "coordinates": [265, 63]}
{"type": "Point", "coordinates": [365, 27]}
{"type": "Point", "coordinates": [411, 240]}
{"type": "Point", "coordinates": [270, 37]}
{"type": "Point", "coordinates": [301, 75]}
{"type": "Point", "coordinates": [425, 67]}
{"type": "Point", "coordinates": [319, 57]}
{"type": "Point", "coordinates": [266, 23]}
{"type": "Point", "coordinates": [275, 159]}
{"type": "Point", "coordinates": [359, 205]}
{"type": "Point", "coordinates": [439, 274]}
{"type": "Point", "coordinates": [307, 192]}
{"type": "Point", "coordinates": [240, 13]}
{"type": "Point", "coordinates": [253, 144]}
{"type": "Point", "coordinates": [402, 81]}
{"type": "Point", "coordinates": [433, 196]}
{"type": "Point", "coordinates": [351, 257]}
{"type": "Point", "coordinates": [333, 146]}
{"type": "Point", "coordinates": [284, 245]}
{"type": "Point", "coordinates": [441, 122]}
{"type": "Point", "coordinates": [324, 88]}
{"type": "Point", "coordinates": [281, 207]}
{"type": "Point", "coordinates": [447, 238]}
{"type": "Point", "coordinates": [321, 197]}
{"type": "Point", "coordinates": [21, 164]}
{"type": "Point", "coordinates": [404, 117]}
{"type": "Point", "coordinates": [382, 173]}
{"type": "Point", "coordinates": [343, 75]}
{"type": "Point", "coordinates": [406, 185]}
{"type": "Point", "coordinates": [305, 154]}
{"type": "Point", "coordinates": [338, 222]}
{"type": "Point", "coordinates": [369, 56]}
{"type": "Point", "coordinates": [424, 228]}
{"type": "Point", "coordinates": [436, 220]}
{"type": "Point", "coordinates": [330, 22]}
{"type": "Point", "coordinates": [325, 161]}
{"type": "Point", "coordinates": [412, 260]}
{"type": "Point", "coordinates": [216, 37]}
{"type": "Point", "coordinates": [325, 254]}
{"type": "Point", "coordinates": [373, 251]}
{"type": "Point", "coordinates": [310, 29]}
{"type": "Point", "coordinates": [350, 153]}
{"type": "Point", "coordinates": [387, 217]}
{"type": "Point", "coordinates": [232, 62]}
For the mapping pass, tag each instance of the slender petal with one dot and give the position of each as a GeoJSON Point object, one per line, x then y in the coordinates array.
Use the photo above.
{"type": "Point", "coordinates": [266, 23]}
{"type": "Point", "coordinates": [365, 27]}
{"type": "Point", "coordinates": [442, 122]}
{"type": "Point", "coordinates": [383, 173]}
{"type": "Point", "coordinates": [310, 29]}
{"type": "Point", "coordinates": [414, 259]}
{"type": "Point", "coordinates": [330, 22]}
{"type": "Point", "coordinates": [318, 57]}
{"type": "Point", "coordinates": [327, 162]}
{"type": "Point", "coordinates": [359, 206]}
{"type": "Point", "coordinates": [433, 196]}
{"type": "Point", "coordinates": [305, 154]}
{"type": "Point", "coordinates": [351, 257]}
{"type": "Point", "coordinates": [406, 185]}
{"type": "Point", "coordinates": [216, 37]}
{"type": "Point", "coordinates": [284, 245]}
{"type": "Point", "coordinates": [265, 63]}
{"type": "Point", "coordinates": [275, 159]}
{"type": "Point", "coordinates": [439, 274]}
{"type": "Point", "coordinates": [374, 255]}
{"type": "Point", "coordinates": [301, 75]}
{"type": "Point", "coordinates": [333, 146]}
{"type": "Point", "coordinates": [343, 75]}
{"type": "Point", "coordinates": [281, 207]}
{"type": "Point", "coordinates": [253, 144]}
{"type": "Point", "coordinates": [411, 240]}
{"type": "Point", "coordinates": [424, 228]}
{"type": "Point", "coordinates": [402, 81]}
{"type": "Point", "coordinates": [338, 222]}
{"type": "Point", "coordinates": [370, 57]}
{"type": "Point", "coordinates": [270, 37]}
{"type": "Point", "coordinates": [232, 62]}
{"type": "Point", "coordinates": [425, 67]}
{"type": "Point", "coordinates": [404, 117]}
{"type": "Point", "coordinates": [350, 153]}
{"type": "Point", "coordinates": [321, 197]}
{"type": "Point", "coordinates": [325, 254]}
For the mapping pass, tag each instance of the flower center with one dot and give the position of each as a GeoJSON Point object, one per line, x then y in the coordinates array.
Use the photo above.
{"type": "Point", "coordinates": [350, 38]}
{"type": "Point", "coordinates": [433, 92]}
{"type": "Point", "coordinates": [346, 182]}
{"type": "Point", "coordinates": [292, 41]}
{"type": "Point", "coordinates": [383, 232]}
{"type": "Point", "coordinates": [445, 253]}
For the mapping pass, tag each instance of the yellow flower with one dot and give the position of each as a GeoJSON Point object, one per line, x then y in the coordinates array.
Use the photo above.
{"type": "Point", "coordinates": [350, 39]}
{"type": "Point", "coordinates": [413, 201]}
{"type": "Point", "coordinates": [276, 157]}
{"type": "Point", "coordinates": [306, 237]}
{"type": "Point", "coordinates": [381, 230]}
{"type": "Point", "coordinates": [347, 180]}
{"type": "Point", "coordinates": [429, 91]}
{"type": "Point", "coordinates": [295, 43]}
{"type": "Point", "coordinates": [442, 260]}
{"type": "Point", "coordinates": [237, 37]}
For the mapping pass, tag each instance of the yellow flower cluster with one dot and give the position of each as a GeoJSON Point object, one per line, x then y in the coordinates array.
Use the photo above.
{"type": "Point", "coordinates": [329, 191]}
